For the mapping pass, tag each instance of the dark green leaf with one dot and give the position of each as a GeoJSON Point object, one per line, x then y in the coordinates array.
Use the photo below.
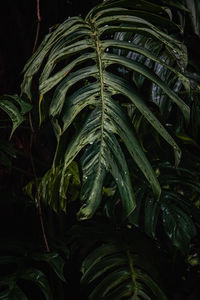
{"type": "Point", "coordinates": [39, 279]}
{"type": "Point", "coordinates": [55, 261]}
{"type": "Point", "coordinates": [178, 226]}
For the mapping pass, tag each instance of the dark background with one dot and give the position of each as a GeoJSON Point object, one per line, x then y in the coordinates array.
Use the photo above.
{"type": "Point", "coordinates": [18, 25]}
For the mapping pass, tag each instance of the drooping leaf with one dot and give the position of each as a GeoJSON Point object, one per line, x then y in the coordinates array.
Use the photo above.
{"type": "Point", "coordinates": [13, 292]}
{"type": "Point", "coordinates": [152, 211]}
{"type": "Point", "coordinates": [51, 192]}
{"type": "Point", "coordinates": [117, 273]}
{"type": "Point", "coordinates": [54, 260]}
{"type": "Point", "coordinates": [16, 108]}
{"type": "Point", "coordinates": [178, 226]}
{"type": "Point", "coordinates": [175, 211]}
{"type": "Point", "coordinates": [77, 64]}
{"type": "Point", "coordinates": [194, 7]}
{"type": "Point", "coordinates": [40, 280]}
{"type": "Point", "coordinates": [7, 152]}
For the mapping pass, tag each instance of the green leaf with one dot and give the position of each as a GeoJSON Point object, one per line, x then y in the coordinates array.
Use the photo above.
{"type": "Point", "coordinates": [39, 279]}
{"type": "Point", "coordinates": [55, 261]}
{"type": "Point", "coordinates": [78, 64]}
{"type": "Point", "coordinates": [114, 162]}
{"type": "Point", "coordinates": [147, 73]}
{"type": "Point", "coordinates": [178, 226]}
{"type": "Point", "coordinates": [10, 259]}
{"type": "Point", "coordinates": [102, 267]}
{"type": "Point", "coordinates": [55, 194]}
{"type": "Point", "coordinates": [108, 283]}
{"type": "Point", "coordinates": [14, 293]}
{"type": "Point", "coordinates": [13, 113]}
{"type": "Point", "coordinates": [147, 54]}
{"type": "Point", "coordinates": [152, 285]}
{"type": "Point", "coordinates": [115, 272]}
{"type": "Point", "coordinates": [96, 257]}
{"type": "Point", "coordinates": [194, 7]}
{"type": "Point", "coordinates": [122, 86]}
{"type": "Point", "coordinates": [152, 211]}
{"type": "Point", "coordinates": [8, 105]}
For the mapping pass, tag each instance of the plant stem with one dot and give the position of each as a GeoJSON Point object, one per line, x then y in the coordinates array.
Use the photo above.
{"type": "Point", "coordinates": [38, 26]}
{"type": "Point", "coordinates": [31, 143]}
{"type": "Point", "coordinates": [37, 186]}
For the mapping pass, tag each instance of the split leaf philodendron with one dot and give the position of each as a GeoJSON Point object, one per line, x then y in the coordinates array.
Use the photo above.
{"type": "Point", "coordinates": [80, 82]}
{"type": "Point", "coordinates": [109, 124]}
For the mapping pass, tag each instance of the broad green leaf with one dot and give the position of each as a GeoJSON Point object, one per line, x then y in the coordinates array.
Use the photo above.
{"type": "Point", "coordinates": [123, 129]}
{"type": "Point", "coordinates": [137, 4]}
{"type": "Point", "coordinates": [77, 67]}
{"type": "Point", "coordinates": [121, 291]}
{"type": "Point", "coordinates": [55, 261]}
{"type": "Point", "coordinates": [114, 162]}
{"type": "Point", "coordinates": [16, 108]}
{"type": "Point", "coordinates": [122, 87]}
{"type": "Point", "coordinates": [152, 285]}
{"type": "Point", "coordinates": [55, 194]}
{"type": "Point", "coordinates": [178, 226]}
{"type": "Point", "coordinates": [194, 8]}
{"type": "Point", "coordinates": [60, 92]}
{"type": "Point", "coordinates": [115, 274]}
{"type": "Point", "coordinates": [14, 293]}
{"type": "Point", "coordinates": [134, 218]}
{"type": "Point", "coordinates": [97, 255]}
{"type": "Point", "coordinates": [13, 112]}
{"type": "Point", "coordinates": [34, 63]}
{"type": "Point", "coordinates": [142, 14]}
{"type": "Point", "coordinates": [147, 73]}
{"type": "Point", "coordinates": [109, 282]}
{"type": "Point", "coordinates": [39, 279]}
{"type": "Point", "coordinates": [146, 53]}
{"type": "Point", "coordinates": [184, 203]}
{"type": "Point", "coordinates": [152, 211]}
{"type": "Point", "coordinates": [102, 267]}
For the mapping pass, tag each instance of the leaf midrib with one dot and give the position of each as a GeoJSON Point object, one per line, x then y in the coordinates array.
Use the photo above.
{"type": "Point", "coordinates": [101, 80]}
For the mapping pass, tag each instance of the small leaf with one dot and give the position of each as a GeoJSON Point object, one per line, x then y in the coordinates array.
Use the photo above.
{"type": "Point", "coordinates": [39, 279]}
{"type": "Point", "coordinates": [8, 105]}
{"type": "Point", "coordinates": [152, 211]}
{"type": "Point", "coordinates": [55, 261]}
{"type": "Point", "coordinates": [13, 113]}
{"type": "Point", "coordinates": [58, 186]}
{"type": "Point", "coordinates": [178, 226]}
{"type": "Point", "coordinates": [13, 292]}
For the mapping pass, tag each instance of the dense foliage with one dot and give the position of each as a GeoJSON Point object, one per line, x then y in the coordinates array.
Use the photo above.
{"type": "Point", "coordinates": [103, 153]}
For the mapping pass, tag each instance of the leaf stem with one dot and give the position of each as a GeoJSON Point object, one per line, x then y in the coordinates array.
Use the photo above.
{"type": "Point", "coordinates": [37, 185]}
{"type": "Point", "coordinates": [38, 26]}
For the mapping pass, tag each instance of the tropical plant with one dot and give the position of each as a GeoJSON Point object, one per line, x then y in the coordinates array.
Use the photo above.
{"type": "Point", "coordinates": [121, 91]}
{"type": "Point", "coordinates": [81, 82]}
{"type": "Point", "coordinates": [20, 269]}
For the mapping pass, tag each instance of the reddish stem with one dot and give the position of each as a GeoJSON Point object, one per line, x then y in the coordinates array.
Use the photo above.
{"type": "Point", "coordinates": [37, 186]}
{"type": "Point", "coordinates": [38, 26]}
{"type": "Point", "coordinates": [31, 143]}
{"type": "Point", "coordinates": [38, 11]}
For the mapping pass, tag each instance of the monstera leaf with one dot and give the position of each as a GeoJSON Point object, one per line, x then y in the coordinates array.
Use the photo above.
{"type": "Point", "coordinates": [121, 275]}
{"type": "Point", "coordinates": [175, 212]}
{"type": "Point", "coordinates": [50, 190]}
{"type": "Point", "coordinates": [116, 263]}
{"type": "Point", "coordinates": [19, 267]}
{"type": "Point", "coordinates": [194, 8]}
{"type": "Point", "coordinates": [15, 108]}
{"type": "Point", "coordinates": [81, 84]}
